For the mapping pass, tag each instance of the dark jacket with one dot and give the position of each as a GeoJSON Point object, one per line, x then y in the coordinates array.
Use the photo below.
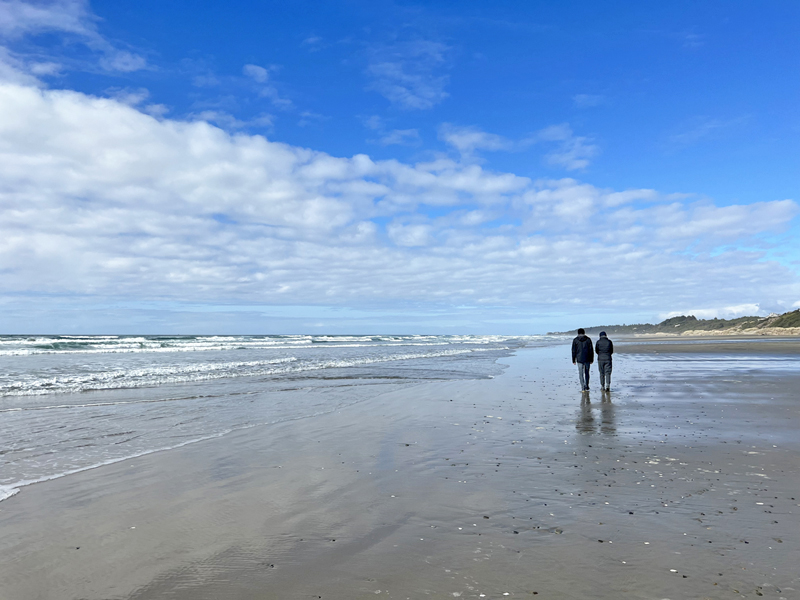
{"type": "Point", "coordinates": [604, 348]}
{"type": "Point", "coordinates": [582, 351]}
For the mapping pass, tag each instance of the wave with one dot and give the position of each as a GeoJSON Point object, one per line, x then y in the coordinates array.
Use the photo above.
{"type": "Point", "coordinates": [34, 345]}
{"type": "Point", "coordinates": [170, 374]}
{"type": "Point", "coordinates": [137, 377]}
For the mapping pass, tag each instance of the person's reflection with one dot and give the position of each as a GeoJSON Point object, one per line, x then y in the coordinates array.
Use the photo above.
{"type": "Point", "coordinates": [586, 422]}
{"type": "Point", "coordinates": [607, 423]}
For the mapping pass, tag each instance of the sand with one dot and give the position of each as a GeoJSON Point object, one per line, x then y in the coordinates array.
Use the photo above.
{"type": "Point", "coordinates": [681, 483]}
{"type": "Point", "coordinates": [775, 346]}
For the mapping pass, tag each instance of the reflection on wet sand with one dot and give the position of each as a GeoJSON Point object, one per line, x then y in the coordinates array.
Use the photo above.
{"type": "Point", "coordinates": [586, 422]}
{"type": "Point", "coordinates": [477, 488]}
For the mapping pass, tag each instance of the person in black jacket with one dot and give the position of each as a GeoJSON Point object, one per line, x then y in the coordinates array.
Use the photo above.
{"type": "Point", "coordinates": [583, 356]}
{"type": "Point", "coordinates": [604, 348]}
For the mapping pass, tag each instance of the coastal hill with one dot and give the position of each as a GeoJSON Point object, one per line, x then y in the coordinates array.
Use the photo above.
{"type": "Point", "coordinates": [785, 324]}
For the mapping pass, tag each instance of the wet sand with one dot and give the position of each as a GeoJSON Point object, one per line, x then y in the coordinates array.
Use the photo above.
{"type": "Point", "coordinates": [709, 345]}
{"type": "Point", "coordinates": [681, 483]}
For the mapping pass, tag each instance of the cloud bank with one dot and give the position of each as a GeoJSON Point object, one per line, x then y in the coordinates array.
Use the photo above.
{"type": "Point", "coordinates": [105, 201]}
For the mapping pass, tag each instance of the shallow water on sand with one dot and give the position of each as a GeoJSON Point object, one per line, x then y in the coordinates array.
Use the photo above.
{"type": "Point", "coordinates": [70, 403]}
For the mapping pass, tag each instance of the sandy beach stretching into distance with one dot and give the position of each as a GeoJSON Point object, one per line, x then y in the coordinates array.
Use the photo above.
{"type": "Point", "coordinates": [681, 483]}
{"type": "Point", "coordinates": [289, 294]}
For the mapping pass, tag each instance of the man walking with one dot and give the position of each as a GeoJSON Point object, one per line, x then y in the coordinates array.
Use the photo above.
{"type": "Point", "coordinates": [604, 348]}
{"type": "Point", "coordinates": [583, 356]}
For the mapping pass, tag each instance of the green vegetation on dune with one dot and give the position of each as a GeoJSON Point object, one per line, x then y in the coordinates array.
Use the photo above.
{"type": "Point", "coordinates": [790, 319]}
{"type": "Point", "coordinates": [691, 323]}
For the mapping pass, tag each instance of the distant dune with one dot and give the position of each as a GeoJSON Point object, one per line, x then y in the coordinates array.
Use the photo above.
{"type": "Point", "coordinates": [783, 325]}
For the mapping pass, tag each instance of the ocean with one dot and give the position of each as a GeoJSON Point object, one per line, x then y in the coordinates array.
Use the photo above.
{"type": "Point", "coordinates": [72, 403]}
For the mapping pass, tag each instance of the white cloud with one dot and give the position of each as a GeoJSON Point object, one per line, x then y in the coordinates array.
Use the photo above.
{"type": "Point", "coordinates": [309, 117]}
{"type": "Point", "coordinates": [259, 74]}
{"type": "Point", "coordinates": [406, 73]}
{"type": "Point", "coordinates": [19, 18]}
{"type": "Point", "coordinates": [374, 122]}
{"type": "Point", "coordinates": [639, 217]}
{"type": "Point", "coordinates": [314, 43]}
{"type": "Point", "coordinates": [394, 137]}
{"type": "Point", "coordinates": [587, 100]}
{"type": "Point", "coordinates": [43, 69]}
{"type": "Point", "coordinates": [566, 200]}
{"type": "Point", "coordinates": [401, 137]}
{"type": "Point", "coordinates": [619, 198]}
{"type": "Point", "coordinates": [692, 40]}
{"type": "Point", "coordinates": [123, 61]}
{"type": "Point", "coordinates": [204, 78]}
{"type": "Point", "coordinates": [103, 201]}
{"type": "Point", "coordinates": [156, 110]}
{"type": "Point", "coordinates": [573, 152]}
{"type": "Point", "coordinates": [725, 222]}
{"type": "Point", "coordinates": [223, 119]}
{"type": "Point", "coordinates": [129, 96]}
{"type": "Point", "coordinates": [475, 217]}
{"type": "Point", "coordinates": [15, 70]}
{"type": "Point", "coordinates": [409, 235]}
{"type": "Point", "coordinates": [468, 139]}
{"type": "Point", "coordinates": [723, 312]}
{"type": "Point", "coordinates": [701, 128]}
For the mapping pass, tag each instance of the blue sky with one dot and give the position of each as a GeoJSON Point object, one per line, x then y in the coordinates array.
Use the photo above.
{"type": "Point", "coordinates": [497, 167]}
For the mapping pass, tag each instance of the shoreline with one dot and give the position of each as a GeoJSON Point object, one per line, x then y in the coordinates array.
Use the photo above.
{"type": "Point", "coordinates": [513, 485]}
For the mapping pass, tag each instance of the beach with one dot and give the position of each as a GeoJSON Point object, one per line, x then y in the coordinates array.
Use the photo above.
{"type": "Point", "coordinates": [682, 482]}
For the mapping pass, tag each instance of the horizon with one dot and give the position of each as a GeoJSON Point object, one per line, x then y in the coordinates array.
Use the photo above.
{"type": "Point", "coordinates": [385, 334]}
{"type": "Point", "coordinates": [447, 167]}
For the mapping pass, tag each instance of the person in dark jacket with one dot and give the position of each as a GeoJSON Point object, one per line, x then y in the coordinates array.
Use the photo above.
{"type": "Point", "coordinates": [604, 349]}
{"type": "Point", "coordinates": [583, 356]}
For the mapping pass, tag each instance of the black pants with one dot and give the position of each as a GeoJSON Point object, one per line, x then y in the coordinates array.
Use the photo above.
{"type": "Point", "coordinates": [583, 375]}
